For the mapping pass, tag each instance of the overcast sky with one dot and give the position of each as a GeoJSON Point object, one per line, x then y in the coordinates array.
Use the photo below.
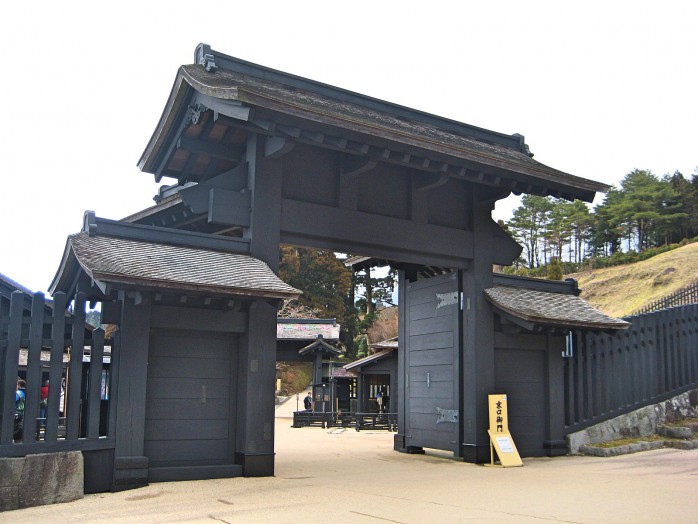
{"type": "Point", "coordinates": [597, 88]}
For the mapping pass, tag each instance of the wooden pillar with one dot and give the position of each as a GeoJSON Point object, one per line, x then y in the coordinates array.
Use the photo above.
{"type": "Point", "coordinates": [317, 368]}
{"type": "Point", "coordinates": [477, 350]}
{"type": "Point", "coordinates": [360, 396]}
{"type": "Point", "coordinates": [393, 391]}
{"type": "Point", "coordinates": [555, 443]}
{"type": "Point", "coordinates": [398, 391]}
{"type": "Point", "coordinates": [254, 448]}
{"type": "Point", "coordinates": [130, 465]}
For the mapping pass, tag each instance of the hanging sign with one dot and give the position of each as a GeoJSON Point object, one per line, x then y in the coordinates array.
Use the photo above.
{"type": "Point", "coordinates": [501, 441]}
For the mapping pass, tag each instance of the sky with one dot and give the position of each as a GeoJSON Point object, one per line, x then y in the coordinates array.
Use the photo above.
{"type": "Point", "coordinates": [598, 88]}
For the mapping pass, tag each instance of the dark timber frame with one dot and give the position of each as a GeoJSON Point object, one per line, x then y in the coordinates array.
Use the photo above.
{"type": "Point", "coordinates": [268, 158]}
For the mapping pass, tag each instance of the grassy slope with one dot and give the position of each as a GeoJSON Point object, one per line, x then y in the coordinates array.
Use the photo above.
{"type": "Point", "coordinates": [621, 290]}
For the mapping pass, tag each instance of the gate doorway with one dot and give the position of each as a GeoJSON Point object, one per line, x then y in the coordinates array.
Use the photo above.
{"type": "Point", "coordinates": [431, 363]}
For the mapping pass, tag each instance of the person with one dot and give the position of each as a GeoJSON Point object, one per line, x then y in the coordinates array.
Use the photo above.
{"type": "Point", "coordinates": [44, 402]}
{"type": "Point", "coordinates": [20, 398]}
{"type": "Point", "coordinates": [308, 401]}
{"type": "Point", "coordinates": [379, 399]}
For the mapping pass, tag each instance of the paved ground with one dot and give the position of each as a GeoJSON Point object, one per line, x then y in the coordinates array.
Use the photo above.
{"type": "Point", "coordinates": [343, 476]}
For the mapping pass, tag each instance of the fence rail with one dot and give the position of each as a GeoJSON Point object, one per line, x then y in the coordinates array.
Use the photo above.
{"type": "Point", "coordinates": [653, 360]}
{"type": "Point", "coordinates": [46, 344]}
{"type": "Point", "coordinates": [682, 297]}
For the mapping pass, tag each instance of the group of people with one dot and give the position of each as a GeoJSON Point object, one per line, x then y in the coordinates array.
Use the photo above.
{"type": "Point", "coordinates": [20, 401]}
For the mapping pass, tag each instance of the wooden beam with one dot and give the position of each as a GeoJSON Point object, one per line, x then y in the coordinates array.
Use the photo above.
{"type": "Point", "coordinates": [354, 165]}
{"type": "Point", "coordinates": [102, 226]}
{"type": "Point", "coordinates": [427, 182]}
{"type": "Point", "coordinates": [312, 136]}
{"type": "Point", "coordinates": [337, 142]}
{"type": "Point", "coordinates": [229, 208]}
{"type": "Point", "coordinates": [276, 146]}
{"type": "Point", "coordinates": [212, 149]}
{"type": "Point", "coordinates": [293, 132]}
{"type": "Point", "coordinates": [315, 225]}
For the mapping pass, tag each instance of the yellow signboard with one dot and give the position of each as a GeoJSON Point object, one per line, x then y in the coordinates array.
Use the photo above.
{"type": "Point", "coordinates": [500, 439]}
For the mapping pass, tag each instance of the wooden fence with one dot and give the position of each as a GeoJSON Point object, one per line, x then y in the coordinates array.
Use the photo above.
{"type": "Point", "coordinates": [40, 345]}
{"type": "Point", "coordinates": [609, 375]}
{"type": "Point", "coordinates": [682, 297]}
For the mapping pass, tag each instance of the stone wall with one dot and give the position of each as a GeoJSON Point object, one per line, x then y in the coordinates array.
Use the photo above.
{"type": "Point", "coordinates": [40, 479]}
{"type": "Point", "coordinates": [639, 423]}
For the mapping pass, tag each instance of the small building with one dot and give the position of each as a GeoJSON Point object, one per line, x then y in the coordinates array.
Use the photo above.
{"type": "Point", "coordinates": [183, 307]}
{"type": "Point", "coordinates": [376, 373]}
{"type": "Point", "coordinates": [308, 340]}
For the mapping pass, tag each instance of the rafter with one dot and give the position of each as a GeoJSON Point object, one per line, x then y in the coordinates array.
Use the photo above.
{"type": "Point", "coordinates": [212, 149]}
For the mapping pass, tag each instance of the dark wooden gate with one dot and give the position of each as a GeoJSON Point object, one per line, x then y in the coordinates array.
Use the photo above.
{"type": "Point", "coordinates": [190, 415]}
{"type": "Point", "coordinates": [520, 374]}
{"type": "Point", "coordinates": [431, 364]}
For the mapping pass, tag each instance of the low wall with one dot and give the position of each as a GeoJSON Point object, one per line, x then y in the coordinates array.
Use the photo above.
{"type": "Point", "coordinates": [639, 423]}
{"type": "Point", "coordinates": [40, 479]}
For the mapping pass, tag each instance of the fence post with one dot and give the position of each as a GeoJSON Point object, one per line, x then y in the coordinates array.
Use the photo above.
{"type": "Point", "coordinates": [95, 381]}
{"type": "Point", "coordinates": [10, 365]}
{"type": "Point", "coordinates": [74, 388]}
{"type": "Point", "coordinates": [56, 367]}
{"type": "Point", "coordinates": [34, 374]}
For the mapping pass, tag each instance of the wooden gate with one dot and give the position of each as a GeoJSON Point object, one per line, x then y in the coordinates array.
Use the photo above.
{"type": "Point", "coordinates": [431, 365]}
{"type": "Point", "coordinates": [190, 411]}
{"type": "Point", "coordinates": [520, 374]}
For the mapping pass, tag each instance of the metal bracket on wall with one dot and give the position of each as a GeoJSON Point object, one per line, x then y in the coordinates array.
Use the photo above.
{"type": "Point", "coordinates": [446, 415]}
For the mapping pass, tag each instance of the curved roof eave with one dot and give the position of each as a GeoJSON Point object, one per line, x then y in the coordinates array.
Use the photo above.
{"type": "Point", "coordinates": [348, 116]}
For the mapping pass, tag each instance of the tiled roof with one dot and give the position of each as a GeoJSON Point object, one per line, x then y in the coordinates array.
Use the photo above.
{"type": "Point", "coordinates": [340, 372]}
{"type": "Point", "coordinates": [8, 286]}
{"type": "Point", "coordinates": [151, 264]}
{"type": "Point", "coordinates": [232, 85]}
{"type": "Point", "coordinates": [369, 359]}
{"type": "Point", "coordinates": [320, 345]}
{"type": "Point", "coordinates": [391, 343]}
{"type": "Point", "coordinates": [15, 286]}
{"type": "Point", "coordinates": [438, 134]}
{"type": "Point", "coordinates": [552, 309]}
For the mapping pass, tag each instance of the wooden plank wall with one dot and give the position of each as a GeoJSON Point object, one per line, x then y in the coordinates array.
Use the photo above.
{"type": "Point", "coordinates": [608, 375]}
{"type": "Point", "coordinates": [77, 426]}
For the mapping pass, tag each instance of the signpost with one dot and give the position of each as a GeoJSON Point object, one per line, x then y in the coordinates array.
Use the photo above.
{"type": "Point", "coordinates": [500, 439]}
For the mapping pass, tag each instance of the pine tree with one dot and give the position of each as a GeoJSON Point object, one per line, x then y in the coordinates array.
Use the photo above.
{"type": "Point", "coordinates": [322, 277]}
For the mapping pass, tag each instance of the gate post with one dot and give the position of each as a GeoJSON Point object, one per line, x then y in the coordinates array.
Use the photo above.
{"type": "Point", "coordinates": [399, 438]}
{"type": "Point", "coordinates": [477, 337]}
{"type": "Point", "coordinates": [254, 448]}
{"type": "Point", "coordinates": [130, 464]}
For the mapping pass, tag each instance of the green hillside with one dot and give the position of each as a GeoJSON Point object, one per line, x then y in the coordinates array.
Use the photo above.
{"type": "Point", "coordinates": [621, 290]}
